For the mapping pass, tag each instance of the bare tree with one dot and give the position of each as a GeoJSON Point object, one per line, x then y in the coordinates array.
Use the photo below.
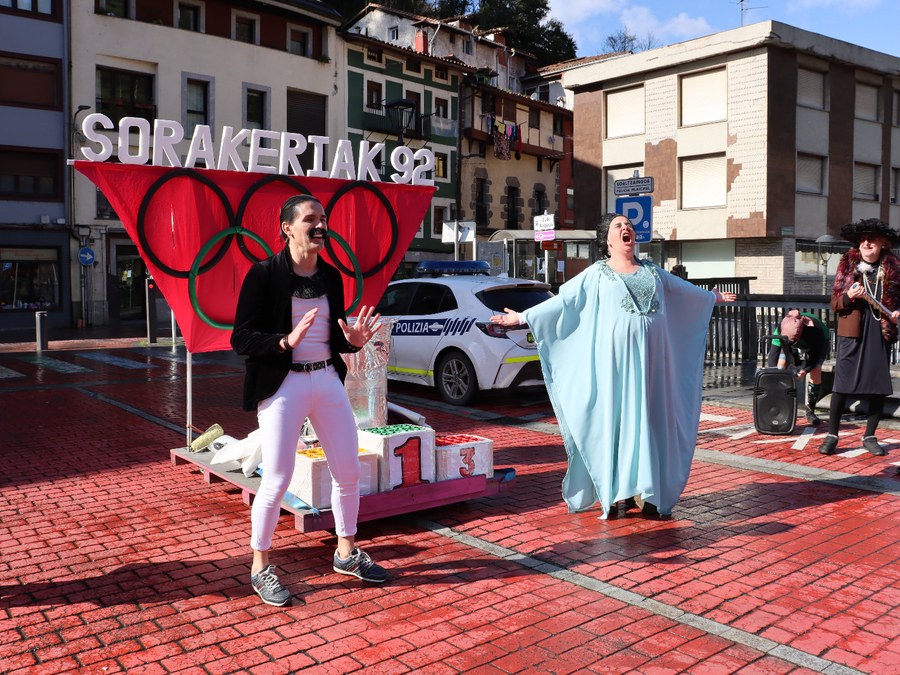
{"type": "Point", "coordinates": [624, 40]}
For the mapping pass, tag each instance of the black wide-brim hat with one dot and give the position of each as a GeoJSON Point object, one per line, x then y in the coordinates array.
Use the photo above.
{"type": "Point", "coordinates": [854, 231]}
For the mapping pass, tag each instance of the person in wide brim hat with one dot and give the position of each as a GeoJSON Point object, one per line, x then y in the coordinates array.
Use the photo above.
{"type": "Point", "coordinates": [865, 298]}
{"type": "Point", "coordinates": [853, 232]}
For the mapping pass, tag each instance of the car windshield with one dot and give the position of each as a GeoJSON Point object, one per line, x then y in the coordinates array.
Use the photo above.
{"type": "Point", "coordinates": [517, 298]}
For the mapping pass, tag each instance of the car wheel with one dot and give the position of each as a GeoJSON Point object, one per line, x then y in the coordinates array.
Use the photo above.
{"type": "Point", "coordinates": [455, 378]}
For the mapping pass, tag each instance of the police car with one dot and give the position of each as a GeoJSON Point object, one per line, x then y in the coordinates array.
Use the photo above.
{"type": "Point", "coordinates": [443, 336]}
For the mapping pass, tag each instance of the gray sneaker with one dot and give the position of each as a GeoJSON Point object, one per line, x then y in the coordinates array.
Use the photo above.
{"type": "Point", "coordinates": [267, 586]}
{"type": "Point", "coordinates": [361, 566]}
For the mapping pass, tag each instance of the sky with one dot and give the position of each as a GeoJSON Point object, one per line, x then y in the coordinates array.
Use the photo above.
{"type": "Point", "coordinates": [874, 24]}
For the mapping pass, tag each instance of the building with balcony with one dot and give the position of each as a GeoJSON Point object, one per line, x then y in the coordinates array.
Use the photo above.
{"type": "Point", "coordinates": [35, 251]}
{"type": "Point", "coordinates": [272, 65]}
{"type": "Point", "coordinates": [760, 140]}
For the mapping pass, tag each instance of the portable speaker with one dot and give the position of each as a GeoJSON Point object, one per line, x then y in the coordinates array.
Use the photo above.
{"type": "Point", "coordinates": [775, 401]}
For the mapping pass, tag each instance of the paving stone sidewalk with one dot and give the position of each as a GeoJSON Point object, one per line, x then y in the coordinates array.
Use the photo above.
{"type": "Point", "coordinates": [777, 559]}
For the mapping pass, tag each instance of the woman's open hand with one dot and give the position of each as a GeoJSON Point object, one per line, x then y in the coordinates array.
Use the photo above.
{"type": "Point", "coordinates": [510, 319]}
{"type": "Point", "coordinates": [724, 297]}
{"type": "Point", "coordinates": [363, 328]}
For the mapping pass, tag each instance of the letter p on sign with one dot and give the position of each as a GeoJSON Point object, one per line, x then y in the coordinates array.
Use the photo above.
{"type": "Point", "coordinates": [639, 210]}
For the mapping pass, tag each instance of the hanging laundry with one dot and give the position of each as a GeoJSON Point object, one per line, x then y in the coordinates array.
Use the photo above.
{"type": "Point", "coordinates": [501, 144]}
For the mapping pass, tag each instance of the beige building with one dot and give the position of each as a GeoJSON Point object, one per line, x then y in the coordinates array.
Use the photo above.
{"type": "Point", "coordinates": [273, 65]}
{"type": "Point", "coordinates": [759, 139]}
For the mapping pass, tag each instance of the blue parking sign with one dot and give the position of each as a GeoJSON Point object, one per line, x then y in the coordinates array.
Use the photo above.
{"type": "Point", "coordinates": [639, 210]}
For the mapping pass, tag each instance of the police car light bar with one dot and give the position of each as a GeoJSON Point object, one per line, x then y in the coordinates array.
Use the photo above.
{"type": "Point", "coordinates": [436, 267]}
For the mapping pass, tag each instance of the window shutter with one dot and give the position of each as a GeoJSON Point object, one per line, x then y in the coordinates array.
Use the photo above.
{"type": "Point", "coordinates": [625, 112]}
{"type": "Point", "coordinates": [704, 98]}
{"type": "Point", "coordinates": [866, 102]}
{"type": "Point", "coordinates": [703, 182]}
{"type": "Point", "coordinates": [809, 174]}
{"type": "Point", "coordinates": [865, 177]}
{"type": "Point", "coordinates": [811, 88]}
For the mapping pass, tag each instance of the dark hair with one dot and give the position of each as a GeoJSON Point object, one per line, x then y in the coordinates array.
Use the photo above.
{"type": "Point", "coordinates": [289, 210]}
{"type": "Point", "coordinates": [603, 232]}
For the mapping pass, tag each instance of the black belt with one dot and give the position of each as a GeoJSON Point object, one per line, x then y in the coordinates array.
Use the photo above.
{"type": "Point", "coordinates": [309, 367]}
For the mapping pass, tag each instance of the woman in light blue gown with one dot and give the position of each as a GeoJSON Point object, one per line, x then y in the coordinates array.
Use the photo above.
{"type": "Point", "coordinates": [622, 348]}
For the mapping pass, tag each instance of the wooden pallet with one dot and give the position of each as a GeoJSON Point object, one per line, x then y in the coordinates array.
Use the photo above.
{"type": "Point", "coordinates": [371, 507]}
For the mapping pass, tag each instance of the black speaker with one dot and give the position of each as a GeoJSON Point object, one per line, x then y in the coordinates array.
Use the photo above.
{"type": "Point", "coordinates": [775, 401]}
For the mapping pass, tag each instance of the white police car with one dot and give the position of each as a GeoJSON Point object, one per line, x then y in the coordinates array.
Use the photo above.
{"type": "Point", "coordinates": [443, 335]}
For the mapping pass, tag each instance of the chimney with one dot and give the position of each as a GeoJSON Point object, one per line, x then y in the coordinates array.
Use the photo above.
{"type": "Point", "coordinates": [421, 41]}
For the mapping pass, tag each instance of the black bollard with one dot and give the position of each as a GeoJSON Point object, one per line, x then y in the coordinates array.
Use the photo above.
{"type": "Point", "coordinates": [40, 331]}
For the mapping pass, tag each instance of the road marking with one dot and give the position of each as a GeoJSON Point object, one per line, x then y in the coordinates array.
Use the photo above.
{"type": "Point", "coordinates": [9, 373]}
{"type": "Point", "coordinates": [117, 361]}
{"type": "Point", "coordinates": [736, 635]}
{"type": "Point", "coordinates": [55, 365]}
{"type": "Point", "coordinates": [709, 417]}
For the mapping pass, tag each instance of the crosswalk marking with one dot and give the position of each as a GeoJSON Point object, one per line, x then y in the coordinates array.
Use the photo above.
{"type": "Point", "coordinates": [7, 373]}
{"type": "Point", "coordinates": [55, 365]}
{"type": "Point", "coordinates": [118, 361]}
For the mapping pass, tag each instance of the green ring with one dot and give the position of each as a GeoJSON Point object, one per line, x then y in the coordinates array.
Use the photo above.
{"type": "Point", "coordinates": [357, 270]}
{"type": "Point", "coordinates": [195, 269]}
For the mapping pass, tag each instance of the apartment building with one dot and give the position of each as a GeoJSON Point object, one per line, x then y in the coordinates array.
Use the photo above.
{"type": "Point", "coordinates": [760, 140]}
{"type": "Point", "coordinates": [35, 249]}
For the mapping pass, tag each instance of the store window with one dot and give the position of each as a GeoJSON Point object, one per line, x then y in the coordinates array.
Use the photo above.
{"type": "Point", "coordinates": [29, 279]}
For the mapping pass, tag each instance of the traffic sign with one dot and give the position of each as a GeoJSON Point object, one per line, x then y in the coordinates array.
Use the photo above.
{"type": "Point", "coordinates": [544, 235]}
{"type": "Point", "coordinates": [633, 186]}
{"type": "Point", "coordinates": [639, 210]}
{"type": "Point", "coordinates": [544, 222]}
{"type": "Point", "coordinates": [86, 256]}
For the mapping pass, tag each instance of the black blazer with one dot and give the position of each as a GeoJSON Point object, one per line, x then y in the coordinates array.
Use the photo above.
{"type": "Point", "coordinates": [263, 317]}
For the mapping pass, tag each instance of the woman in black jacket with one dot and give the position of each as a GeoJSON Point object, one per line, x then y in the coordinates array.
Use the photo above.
{"type": "Point", "coordinates": [291, 326]}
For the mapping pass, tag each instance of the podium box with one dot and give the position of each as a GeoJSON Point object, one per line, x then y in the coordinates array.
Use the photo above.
{"type": "Point", "coordinates": [405, 454]}
{"type": "Point", "coordinates": [311, 481]}
{"type": "Point", "coordinates": [463, 455]}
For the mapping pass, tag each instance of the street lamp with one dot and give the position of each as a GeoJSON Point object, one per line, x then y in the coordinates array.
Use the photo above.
{"type": "Point", "coordinates": [402, 113]}
{"type": "Point", "coordinates": [81, 238]}
{"type": "Point", "coordinates": [824, 251]}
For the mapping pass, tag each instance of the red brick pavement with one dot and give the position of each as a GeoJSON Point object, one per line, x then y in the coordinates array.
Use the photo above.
{"type": "Point", "coordinates": [112, 560]}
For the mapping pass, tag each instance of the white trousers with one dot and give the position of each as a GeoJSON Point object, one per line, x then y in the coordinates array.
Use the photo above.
{"type": "Point", "coordinates": [321, 397]}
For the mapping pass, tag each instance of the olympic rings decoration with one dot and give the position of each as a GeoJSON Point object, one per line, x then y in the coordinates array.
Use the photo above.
{"type": "Point", "coordinates": [235, 230]}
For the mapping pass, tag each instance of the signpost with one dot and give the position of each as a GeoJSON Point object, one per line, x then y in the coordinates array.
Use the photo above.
{"type": "Point", "coordinates": [458, 232]}
{"type": "Point", "coordinates": [545, 230]}
{"type": "Point", "coordinates": [637, 205]}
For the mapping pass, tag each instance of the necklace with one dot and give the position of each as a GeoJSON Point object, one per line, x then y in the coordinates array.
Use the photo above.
{"type": "Point", "coordinates": [874, 291]}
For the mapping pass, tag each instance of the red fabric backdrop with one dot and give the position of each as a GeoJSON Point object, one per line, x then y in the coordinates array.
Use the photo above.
{"type": "Point", "coordinates": [175, 214]}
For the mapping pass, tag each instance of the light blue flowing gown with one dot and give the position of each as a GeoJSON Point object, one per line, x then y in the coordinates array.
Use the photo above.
{"type": "Point", "coordinates": [625, 385]}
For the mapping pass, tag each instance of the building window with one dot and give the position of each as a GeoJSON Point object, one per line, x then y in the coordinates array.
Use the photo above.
{"type": "Point", "coordinates": [488, 101]}
{"type": "Point", "coordinates": [441, 108]}
{"type": "Point", "coordinates": [895, 185]}
{"type": "Point", "coordinates": [373, 95]}
{"type": "Point", "coordinates": [255, 110]}
{"type": "Point", "coordinates": [46, 7]}
{"type": "Point", "coordinates": [29, 278]}
{"type": "Point", "coordinates": [557, 124]}
{"type": "Point", "coordinates": [299, 42]}
{"type": "Point", "coordinates": [866, 102]}
{"type": "Point", "coordinates": [122, 93]}
{"type": "Point", "coordinates": [307, 114]}
{"type": "Point", "coordinates": [31, 174]}
{"type": "Point", "coordinates": [440, 73]}
{"type": "Point", "coordinates": [30, 82]}
{"type": "Point", "coordinates": [120, 8]}
{"type": "Point", "coordinates": [393, 33]}
{"type": "Point", "coordinates": [439, 215]}
{"type": "Point", "coordinates": [570, 199]}
{"type": "Point", "coordinates": [481, 202]}
{"type": "Point", "coordinates": [245, 28]}
{"type": "Point", "coordinates": [512, 208]}
{"type": "Point", "coordinates": [540, 164]}
{"type": "Point", "coordinates": [811, 174]}
{"type": "Point", "coordinates": [704, 97]}
{"type": "Point", "coordinates": [467, 47]}
{"type": "Point", "coordinates": [865, 181]}
{"type": "Point", "coordinates": [440, 165]}
{"type": "Point", "coordinates": [534, 118]}
{"type": "Point", "coordinates": [189, 17]}
{"type": "Point", "coordinates": [413, 65]}
{"type": "Point", "coordinates": [896, 109]}
{"type": "Point", "coordinates": [541, 203]}
{"type": "Point", "coordinates": [196, 105]}
{"type": "Point", "coordinates": [625, 112]}
{"type": "Point", "coordinates": [104, 208]}
{"type": "Point", "coordinates": [703, 182]}
{"type": "Point", "coordinates": [811, 89]}
{"type": "Point", "coordinates": [374, 54]}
